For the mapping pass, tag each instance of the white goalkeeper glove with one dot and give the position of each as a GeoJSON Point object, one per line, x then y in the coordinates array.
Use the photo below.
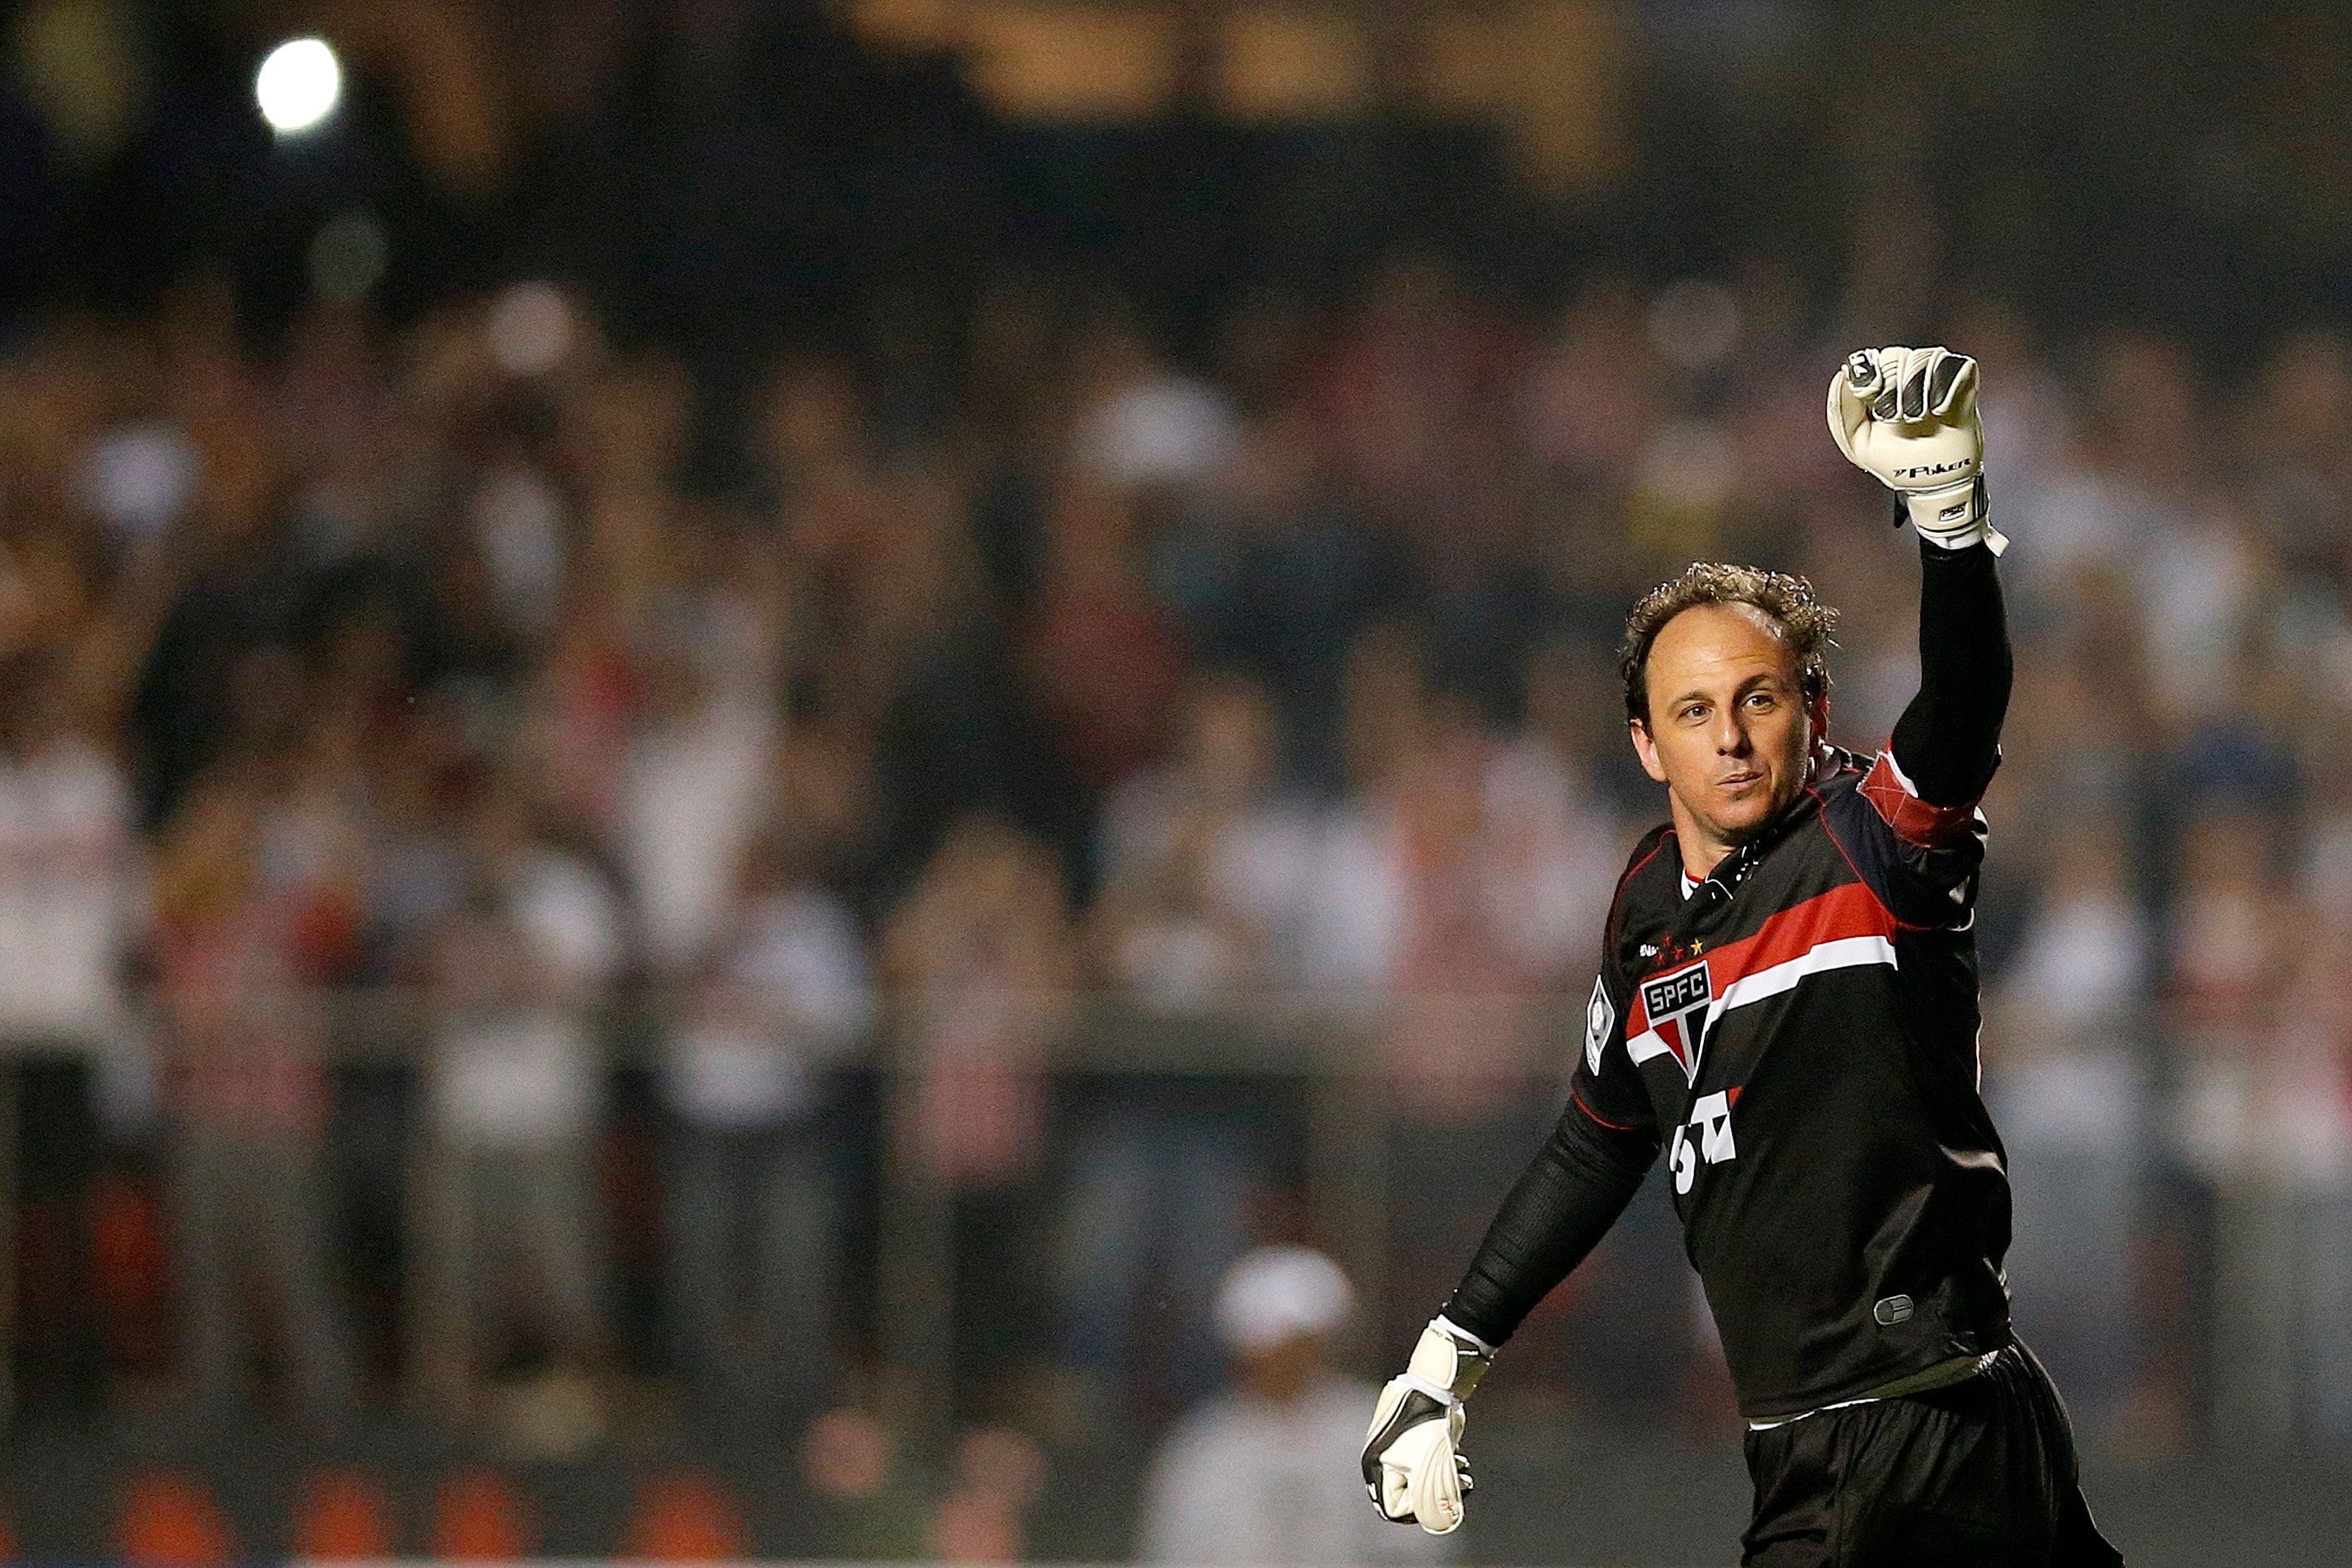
{"type": "Point", "coordinates": [1413, 1464]}
{"type": "Point", "coordinates": [1907, 417]}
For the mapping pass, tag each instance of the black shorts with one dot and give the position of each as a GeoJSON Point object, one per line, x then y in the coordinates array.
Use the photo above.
{"type": "Point", "coordinates": [1979, 1474]}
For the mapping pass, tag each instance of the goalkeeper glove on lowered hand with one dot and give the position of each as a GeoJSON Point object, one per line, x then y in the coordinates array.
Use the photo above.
{"type": "Point", "coordinates": [1907, 417]}
{"type": "Point", "coordinates": [1412, 1463]}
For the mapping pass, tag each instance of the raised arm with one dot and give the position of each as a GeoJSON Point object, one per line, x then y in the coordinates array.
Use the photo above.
{"type": "Point", "coordinates": [1909, 418]}
{"type": "Point", "coordinates": [1947, 741]}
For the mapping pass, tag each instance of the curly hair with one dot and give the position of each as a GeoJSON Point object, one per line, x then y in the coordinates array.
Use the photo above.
{"type": "Point", "coordinates": [1805, 623]}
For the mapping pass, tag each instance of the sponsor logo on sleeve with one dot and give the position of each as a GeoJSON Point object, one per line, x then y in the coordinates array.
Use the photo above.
{"type": "Point", "coordinates": [1599, 1016]}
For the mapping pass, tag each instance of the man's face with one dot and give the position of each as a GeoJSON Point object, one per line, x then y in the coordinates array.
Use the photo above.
{"type": "Point", "coordinates": [1730, 734]}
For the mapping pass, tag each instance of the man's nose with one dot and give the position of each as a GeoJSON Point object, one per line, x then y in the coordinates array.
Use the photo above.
{"type": "Point", "coordinates": [1731, 736]}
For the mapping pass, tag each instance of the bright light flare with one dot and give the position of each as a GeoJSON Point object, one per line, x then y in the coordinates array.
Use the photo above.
{"type": "Point", "coordinates": [298, 85]}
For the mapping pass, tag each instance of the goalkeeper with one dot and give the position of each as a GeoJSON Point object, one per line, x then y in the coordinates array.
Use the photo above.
{"type": "Point", "coordinates": [1787, 1007]}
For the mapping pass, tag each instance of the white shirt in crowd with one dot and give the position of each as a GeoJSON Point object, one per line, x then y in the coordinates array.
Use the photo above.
{"type": "Point", "coordinates": [2067, 1080]}
{"type": "Point", "coordinates": [1242, 1479]}
{"type": "Point", "coordinates": [797, 989]}
{"type": "Point", "coordinates": [1555, 859]}
{"type": "Point", "coordinates": [2083, 966]}
{"type": "Point", "coordinates": [1160, 429]}
{"type": "Point", "coordinates": [1259, 865]}
{"type": "Point", "coordinates": [693, 796]}
{"type": "Point", "coordinates": [1356, 906]}
{"type": "Point", "coordinates": [520, 1080]}
{"type": "Point", "coordinates": [568, 914]}
{"type": "Point", "coordinates": [528, 1078]}
{"type": "Point", "coordinates": [1546, 864]}
{"type": "Point", "coordinates": [65, 892]}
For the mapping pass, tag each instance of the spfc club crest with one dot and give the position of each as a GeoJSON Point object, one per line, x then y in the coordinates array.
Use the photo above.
{"type": "Point", "coordinates": [1674, 1008]}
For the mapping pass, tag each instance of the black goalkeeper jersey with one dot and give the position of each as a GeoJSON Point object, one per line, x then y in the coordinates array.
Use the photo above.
{"type": "Point", "coordinates": [1798, 1034]}
{"type": "Point", "coordinates": [1801, 1036]}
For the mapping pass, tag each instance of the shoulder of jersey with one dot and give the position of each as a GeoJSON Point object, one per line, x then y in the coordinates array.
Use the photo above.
{"type": "Point", "coordinates": [1645, 853]}
{"type": "Point", "coordinates": [1646, 856]}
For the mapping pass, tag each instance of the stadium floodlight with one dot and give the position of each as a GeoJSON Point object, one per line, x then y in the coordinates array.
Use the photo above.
{"type": "Point", "coordinates": [298, 85]}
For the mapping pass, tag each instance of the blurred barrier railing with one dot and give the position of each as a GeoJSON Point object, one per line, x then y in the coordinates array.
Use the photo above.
{"type": "Point", "coordinates": [1072, 1104]}
{"type": "Point", "coordinates": [1325, 1062]}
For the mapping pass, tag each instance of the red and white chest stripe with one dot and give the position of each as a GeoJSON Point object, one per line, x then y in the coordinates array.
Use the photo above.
{"type": "Point", "coordinates": [1845, 927]}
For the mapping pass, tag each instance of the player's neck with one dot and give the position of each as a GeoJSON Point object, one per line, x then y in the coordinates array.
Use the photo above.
{"type": "Point", "coordinates": [1701, 850]}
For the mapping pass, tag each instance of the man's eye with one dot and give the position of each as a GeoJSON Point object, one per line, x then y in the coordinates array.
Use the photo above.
{"type": "Point", "coordinates": [1693, 712]}
{"type": "Point", "coordinates": [1759, 700]}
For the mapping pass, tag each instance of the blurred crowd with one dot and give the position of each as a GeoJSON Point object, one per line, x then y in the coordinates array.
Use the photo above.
{"type": "Point", "coordinates": [470, 773]}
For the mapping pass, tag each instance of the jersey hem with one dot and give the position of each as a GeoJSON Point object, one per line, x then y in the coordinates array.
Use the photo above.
{"type": "Point", "coordinates": [1883, 1383]}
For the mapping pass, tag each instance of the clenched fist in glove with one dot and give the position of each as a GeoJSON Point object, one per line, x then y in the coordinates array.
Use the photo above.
{"type": "Point", "coordinates": [1909, 418]}
{"type": "Point", "coordinates": [1412, 1465]}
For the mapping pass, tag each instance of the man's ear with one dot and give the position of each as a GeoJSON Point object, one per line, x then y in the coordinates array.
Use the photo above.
{"type": "Point", "coordinates": [1817, 711]}
{"type": "Point", "coordinates": [1646, 748]}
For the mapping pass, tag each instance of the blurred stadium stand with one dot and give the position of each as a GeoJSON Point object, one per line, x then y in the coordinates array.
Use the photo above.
{"type": "Point", "coordinates": [729, 731]}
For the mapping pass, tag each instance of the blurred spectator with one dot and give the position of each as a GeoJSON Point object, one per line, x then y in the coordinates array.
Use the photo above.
{"type": "Point", "coordinates": [809, 432]}
{"type": "Point", "coordinates": [979, 957]}
{"type": "Point", "coordinates": [1267, 1473]}
{"type": "Point", "coordinates": [694, 788]}
{"type": "Point", "coordinates": [1557, 844]}
{"type": "Point", "coordinates": [209, 674]}
{"type": "Point", "coordinates": [1403, 390]}
{"type": "Point", "coordinates": [2302, 1260]}
{"type": "Point", "coordinates": [1593, 393]}
{"type": "Point", "coordinates": [576, 718]}
{"type": "Point", "coordinates": [507, 1224]}
{"type": "Point", "coordinates": [852, 1468]}
{"type": "Point", "coordinates": [2067, 1080]}
{"type": "Point", "coordinates": [559, 891]}
{"type": "Point", "coordinates": [1104, 658]}
{"type": "Point", "coordinates": [1205, 861]}
{"type": "Point", "coordinates": [69, 883]}
{"type": "Point", "coordinates": [1140, 423]}
{"type": "Point", "coordinates": [417, 866]}
{"type": "Point", "coordinates": [2298, 477]}
{"type": "Point", "coordinates": [1352, 895]}
{"type": "Point", "coordinates": [1204, 865]}
{"type": "Point", "coordinates": [2232, 942]}
{"type": "Point", "coordinates": [752, 1210]}
{"type": "Point", "coordinates": [238, 962]}
{"type": "Point", "coordinates": [2227, 933]}
{"type": "Point", "coordinates": [519, 522]}
{"type": "Point", "coordinates": [138, 478]}
{"type": "Point", "coordinates": [982, 971]}
{"type": "Point", "coordinates": [997, 1475]}
{"type": "Point", "coordinates": [1416, 906]}
{"type": "Point", "coordinates": [2267, 1108]}
{"type": "Point", "coordinates": [1272, 574]}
